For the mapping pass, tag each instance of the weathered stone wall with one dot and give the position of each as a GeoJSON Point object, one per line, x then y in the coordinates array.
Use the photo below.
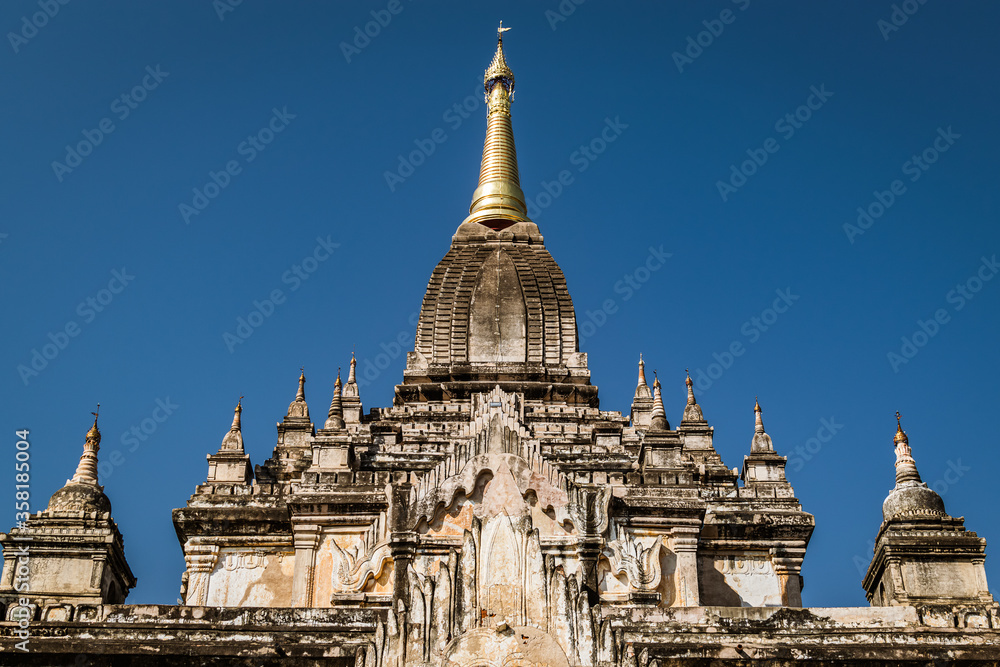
{"type": "Point", "coordinates": [633, 636]}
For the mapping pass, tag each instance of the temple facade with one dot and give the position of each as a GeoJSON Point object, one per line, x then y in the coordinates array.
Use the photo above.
{"type": "Point", "coordinates": [494, 514]}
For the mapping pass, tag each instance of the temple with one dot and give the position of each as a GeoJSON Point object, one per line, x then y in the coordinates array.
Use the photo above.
{"type": "Point", "coordinates": [494, 514]}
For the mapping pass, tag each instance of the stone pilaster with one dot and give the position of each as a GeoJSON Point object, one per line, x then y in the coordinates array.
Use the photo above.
{"type": "Point", "coordinates": [200, 560]}
{"type": "Point", "coordinates": [684, 543]}
{"type": "Point", "coordinates": [788, 567]}
{"type": "Point", "coordinates": [305, 539]}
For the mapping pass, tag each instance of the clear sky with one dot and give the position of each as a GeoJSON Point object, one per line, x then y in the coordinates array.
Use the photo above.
{"type": "Point", "coordinates": [738, 137]}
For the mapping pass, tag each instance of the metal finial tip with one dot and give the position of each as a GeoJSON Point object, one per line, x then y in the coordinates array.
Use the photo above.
{"type": "Point", "coordinates": [94, 432]}
{"type": "Point", "coordinates": [900, 433]}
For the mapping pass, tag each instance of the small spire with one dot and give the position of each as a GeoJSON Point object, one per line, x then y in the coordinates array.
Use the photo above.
{"type": "Point", "coordinates": [498, 201]}
{"type": "Point", "coordinates": [692, 411]}
{"type": "Point", "coordinates": [906, 467]}
{"type": "Point", "coordinates": [641, 388]}
{"type": "Point", "coordinates": [301, 395]}
{"type": "Point", "coordinates": [299, 409]}
{"type": "Point", "coordinates": [350, 390]}
{"type": "Point", "coordinates": [659, 420]}
{"type": "Point", "coordinates": [234, 439]}
{"type": "Point", "coordinates": [690, 387]}
{"type": "Point", "coordinates": [86, 470]}
{"type": "Point", "coordinates": [236, 415]}
{"type": "Point", "coordinates": [335, 417]}
{"type": "Point", "coordinates": [761, 441]}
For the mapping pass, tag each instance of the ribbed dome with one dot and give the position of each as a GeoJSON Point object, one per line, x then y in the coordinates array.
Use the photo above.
{"type": "Point", "coordinates": [912, 499]}
{"type": "Point", "coordinates": [497, 298]}
{"type": "Point", "coordinates": [80, 496]}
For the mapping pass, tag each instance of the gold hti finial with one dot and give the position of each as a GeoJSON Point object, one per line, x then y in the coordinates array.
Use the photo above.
{"type": "Point", "coordinates": [498, 201]}
{"type": "Point", "coordinates": [300, 395]}
{"type": "Point", "coordinates": [94, 432]}
{"type": "Point", "coordinates": [498, 71]}
{"type": "Point", "coordinates": [900, 434]}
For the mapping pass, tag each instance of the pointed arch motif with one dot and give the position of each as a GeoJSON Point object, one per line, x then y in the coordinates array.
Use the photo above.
{"type": "Point", "coordinates": [497, 316]}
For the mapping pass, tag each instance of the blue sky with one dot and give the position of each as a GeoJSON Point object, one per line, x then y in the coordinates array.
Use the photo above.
{"type": "Point", "coordinates": [897, 118]}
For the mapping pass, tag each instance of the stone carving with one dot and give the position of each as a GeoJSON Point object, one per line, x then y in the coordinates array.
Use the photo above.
{"type": "Point", "coordinates": [641, 564]}
{"type": "Point", "coordinates": [495, 577]}
{"type": "Point", "coordinates": [352, 570]}
{"type": "Point", "coordinates": [353, 566]}
{"type": "Point", "coordinates": [244, 561]}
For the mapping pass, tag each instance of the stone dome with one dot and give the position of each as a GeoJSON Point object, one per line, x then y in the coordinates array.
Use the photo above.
{"type": "Point", "coordinates": [912, 499]}
{"type": "Point", "coordinates": [80, 496]}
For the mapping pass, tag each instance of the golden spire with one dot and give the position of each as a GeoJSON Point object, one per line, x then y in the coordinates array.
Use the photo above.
{"type": "Point", "coordinates": [498, 202]}
{"type": "Point", "coordinates": [86, 470]}
{"type": "Point", "coordinates": [234, 439]}
{"type": "Point", "coordinates": [659, 418]}
{"type": "Point", "coordinates": [906, 467]}
{"type": "Point", "coordinates": [759, 425]}
{"type": "Point", "coordinates": [335, 417]}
